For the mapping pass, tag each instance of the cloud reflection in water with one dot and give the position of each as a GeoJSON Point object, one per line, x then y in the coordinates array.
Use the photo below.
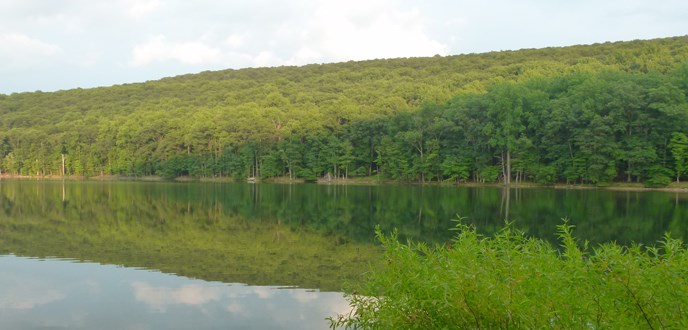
{"type": "Point", "coordinates": [64, 294]}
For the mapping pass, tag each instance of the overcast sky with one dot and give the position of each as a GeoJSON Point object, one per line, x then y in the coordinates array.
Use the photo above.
{"type": "Point", "coordinates": [61, 44]}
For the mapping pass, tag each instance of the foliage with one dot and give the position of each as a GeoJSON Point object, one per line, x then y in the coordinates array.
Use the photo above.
{"type": "Point", "coordinates": [679, 149]}
{"type": "Point", "coordinates": [582, 114]}
{"type": "Point", "coordinates": [512, 281]}
{"type": "Point", "coordinates": [659, 177]}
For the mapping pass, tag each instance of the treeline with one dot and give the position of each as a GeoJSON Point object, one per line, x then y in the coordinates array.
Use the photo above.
{"type": "Point", "coordinates": [613, 111]}
{"type": "Point", "coordinates": [580, 128]}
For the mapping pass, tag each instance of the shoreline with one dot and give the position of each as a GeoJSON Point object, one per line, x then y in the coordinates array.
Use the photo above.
{"type": "Point", "coordinates": [617, 186]}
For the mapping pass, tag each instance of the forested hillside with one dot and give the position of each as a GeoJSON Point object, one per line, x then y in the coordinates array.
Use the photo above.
{"type": "Point", "coordinates": [585, 114]}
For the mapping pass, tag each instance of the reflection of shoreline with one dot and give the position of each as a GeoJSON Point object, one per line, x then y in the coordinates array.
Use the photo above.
{"type": "Point", "coordinates": [308, 235]}
{"type": "Point", "coordinates": [621, 186]}
{"type": "Point", "coordinates": [199, 238]}
{"type": "Point", "coordinates": [625, 188]}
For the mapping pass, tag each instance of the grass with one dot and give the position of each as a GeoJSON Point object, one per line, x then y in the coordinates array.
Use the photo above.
{"type": "Point", "coordinates": [516, 282]}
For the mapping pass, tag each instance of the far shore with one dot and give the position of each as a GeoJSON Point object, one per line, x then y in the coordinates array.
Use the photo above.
{"type": "Point", "coordinates": [621, 186]}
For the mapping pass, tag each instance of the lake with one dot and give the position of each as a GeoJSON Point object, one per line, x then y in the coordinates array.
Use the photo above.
{"type": "Point", "coordinates": [136, 255]}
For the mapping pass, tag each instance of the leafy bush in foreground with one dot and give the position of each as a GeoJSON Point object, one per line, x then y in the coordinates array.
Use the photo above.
{"type": "Point", "coordinates": [513, 281]}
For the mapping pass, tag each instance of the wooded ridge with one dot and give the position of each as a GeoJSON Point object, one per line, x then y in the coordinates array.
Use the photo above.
{"type": "Point", "coordinates": [581, 114]}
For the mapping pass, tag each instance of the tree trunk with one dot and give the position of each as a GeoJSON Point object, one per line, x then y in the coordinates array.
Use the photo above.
{"type": "Point", "coordinates": [507, 178]}
{"type": "Point", "coordinates": [628, 175]}
{"type": "Point", "coordinates": [422, 161]}
{"type": "Point", "coordinates": [504, 205]}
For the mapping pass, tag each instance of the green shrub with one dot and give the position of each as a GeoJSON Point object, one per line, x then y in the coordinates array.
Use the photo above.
{"type": "Point", "coordinates": [490, 174]}
{"type": "Point", "coordinates": [513, 281]}
{"type": "Point", "coordinates": [659, 177]}
{"type": "Point", "coordinates": [545, 174]}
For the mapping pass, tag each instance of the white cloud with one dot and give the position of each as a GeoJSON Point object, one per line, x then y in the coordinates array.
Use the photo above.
{"type": "Point", "coordinates": [306, 55]}
{"type": "Point", "coordinates": [89, 60]}
{"type": "Point", "coordinates": [29, 300]}
{"type": "Point", "coordinates": [51, 45]}
{"type": "Point", "coordinates": [236, 40]}
{"type": "Point", "coordinates": [23, 43]}
{"type": "Point", "coordinates": [235, 308]}
{"type": "Point", "coordinates": [305, 296]}
{"type": "Point", "coordinates": [262, 292]}
{"type": "Point", "coordinates": [24, 293]}
{"type": "Point", "coordinates": [160, 297]}
{"type": "Point", "coordinates": [141, 8]}
{"type": "Point", "coordinates": [367, 29]}
{"type": "Point", "coordinates": [20, 52]}
{"type": "Point", "coordinates": [322, 32]}
{"type": "Point", "coordinates": [159, 49]}
{"type": "Point", "coordinates": [266, 58]}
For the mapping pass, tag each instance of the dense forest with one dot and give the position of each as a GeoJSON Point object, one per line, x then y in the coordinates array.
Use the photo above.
{"type": "Point", "coordinates": [582, 114]}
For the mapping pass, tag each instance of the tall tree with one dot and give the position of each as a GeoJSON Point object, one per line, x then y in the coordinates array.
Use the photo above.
{"type": "Point", "coordinates": [505, 125]}
{"type": "Point", "coordinates": [679, 149]}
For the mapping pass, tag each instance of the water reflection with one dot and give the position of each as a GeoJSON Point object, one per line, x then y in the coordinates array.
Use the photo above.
{"type": "Point", "coordinates": [306, 236]}
{"type": "Point", "coordinates": [42, 294]}
{"type": "Point", "coordinates": [419, 212]}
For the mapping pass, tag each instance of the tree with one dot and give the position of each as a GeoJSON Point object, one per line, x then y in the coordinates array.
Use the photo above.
{"type": "Point", "coordinates": [346, 157]}
{"type": "Point", "coordinates": [10, 164]}
{"type": "Point", "coordinates": [455, 168]}
{"type": "Point", "coordinates": [505, 126]}
{"type": "Point", "coordinates": [679, 149]}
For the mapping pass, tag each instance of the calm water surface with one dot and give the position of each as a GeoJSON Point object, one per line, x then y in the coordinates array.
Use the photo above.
{"type": "Point", "coordinates": [60, 294]}
{"type": "Point", "coordinates": [132, 255]}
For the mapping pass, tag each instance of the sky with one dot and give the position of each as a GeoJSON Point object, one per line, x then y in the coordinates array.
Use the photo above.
{"type": "Point", "coordinates": [52, 45]}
